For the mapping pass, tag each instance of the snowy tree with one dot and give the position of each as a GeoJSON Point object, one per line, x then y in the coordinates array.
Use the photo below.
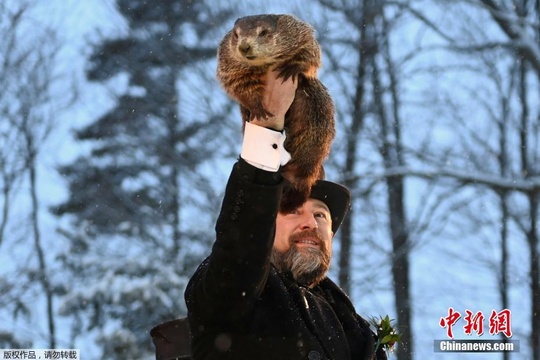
{"type": "Point", "coordinates": [416, 135]}
{"type": "Point", "coordinates": [520, 25]}
{"type": "Point", "coordinates": [495, 149]}
{"type": "Point", "coordinates": [142, 202]}
{"type": "Point", "coordinates": [503, 51]}
{"type": "Point", "coordinates": [29, 105]}
{"type": "Point", "coordinates": [370, 115]}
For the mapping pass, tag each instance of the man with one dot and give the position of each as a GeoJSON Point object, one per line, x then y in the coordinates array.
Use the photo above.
{"type": "Point", "coordinates": [263, 292]}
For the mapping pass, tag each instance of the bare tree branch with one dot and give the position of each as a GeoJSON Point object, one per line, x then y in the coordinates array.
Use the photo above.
{"type": "Point", "coordinates": [494, 181]}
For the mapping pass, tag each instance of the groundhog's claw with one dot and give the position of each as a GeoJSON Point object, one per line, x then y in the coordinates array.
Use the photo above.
{"type": "Point", "coordinates": [259, 112]}
{"type": "Point", "coordinates": [287, 72]}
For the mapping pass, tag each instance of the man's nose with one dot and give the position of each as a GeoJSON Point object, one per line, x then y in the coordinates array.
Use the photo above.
{"type": "Point", "coordinates": [308, 221]}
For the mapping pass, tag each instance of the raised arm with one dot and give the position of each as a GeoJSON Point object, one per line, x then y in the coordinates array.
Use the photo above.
{"type": "Point", "coordinates": [234, 275]}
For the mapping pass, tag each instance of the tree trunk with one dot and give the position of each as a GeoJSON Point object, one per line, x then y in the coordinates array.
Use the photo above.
{"type": "Point", "coordinates": [400, 264]}
{"type": "Point", "coordinates": [400, 243]}
{"type": "Point", "coordinates": [172, 121]}
{"type": "Point", "coordinates": [503, 285]}
{"type": "Point", "coordinates": [6, 190]}
{"type": "Point", "coordinates": [365, 45]}
{"type": "Point", "coordinates": [391, 152]}
{"type": "Point", "coordinates": [505, 212]}
{"type": "Point", "coordinates": [532, 235]}
{"type": "Point", "coordinates": [532, 238]}
{"type": "Point", "coordinates": [43, 276]}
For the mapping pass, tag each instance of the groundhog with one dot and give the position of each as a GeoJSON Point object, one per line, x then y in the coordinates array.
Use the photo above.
{"type": "Point", "coordinates": [260, 43]}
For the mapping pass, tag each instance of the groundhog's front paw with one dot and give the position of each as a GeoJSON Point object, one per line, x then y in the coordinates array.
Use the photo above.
{"type": "Point", "coordinates": [288, 71]}
{"type": "Point", "coordinates": [259, 112]}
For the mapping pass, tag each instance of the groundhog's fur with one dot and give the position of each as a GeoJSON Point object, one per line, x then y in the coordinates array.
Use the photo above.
{"type": "Point", "coordinates": [260, 43]}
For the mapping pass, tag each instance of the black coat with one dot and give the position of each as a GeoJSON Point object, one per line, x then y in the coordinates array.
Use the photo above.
{"type": "Point", "coordinates": [240, 307]}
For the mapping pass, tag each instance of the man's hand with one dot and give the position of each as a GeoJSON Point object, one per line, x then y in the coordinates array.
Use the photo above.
{"type": "Point", "coordinates": [278, 97]}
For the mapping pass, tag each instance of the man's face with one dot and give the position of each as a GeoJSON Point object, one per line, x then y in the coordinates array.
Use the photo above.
{"type": "Point", "coordinates": [303, 241]}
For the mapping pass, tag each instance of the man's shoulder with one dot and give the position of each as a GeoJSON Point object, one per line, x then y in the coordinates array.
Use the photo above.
{"type": "Point", "coordinates": [196, 275]}
{"type": "Point", "coordinates": [334, 290]}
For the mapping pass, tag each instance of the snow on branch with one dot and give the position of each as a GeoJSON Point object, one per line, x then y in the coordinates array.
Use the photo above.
{"type": "Point", "coordinates": [495, 182]}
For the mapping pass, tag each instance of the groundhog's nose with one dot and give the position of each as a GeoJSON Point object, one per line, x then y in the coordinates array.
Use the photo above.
{"type": "Point", "coordinates": [244, 48]}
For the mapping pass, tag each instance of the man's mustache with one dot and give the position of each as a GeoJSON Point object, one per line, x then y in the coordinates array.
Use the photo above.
{"type": "Point", "coordinates": [306, 234]}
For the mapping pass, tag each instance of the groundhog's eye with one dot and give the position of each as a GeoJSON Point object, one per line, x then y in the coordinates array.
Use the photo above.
{"type": "Point", "coordinates": [235, 34]}
{"type": "Point", "coordinates": [263, 33]}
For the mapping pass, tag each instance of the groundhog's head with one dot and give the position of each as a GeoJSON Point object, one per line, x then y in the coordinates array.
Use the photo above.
{"type": "Point", "coordinates": [263, 39]}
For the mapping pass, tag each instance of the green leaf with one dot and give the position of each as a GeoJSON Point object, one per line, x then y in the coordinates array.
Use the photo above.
{"type": "Point", "coordinates": [386, 339]}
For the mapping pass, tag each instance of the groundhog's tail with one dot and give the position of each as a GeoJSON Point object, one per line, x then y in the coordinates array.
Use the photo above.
{"type": "Point", "coordinates": [292, 198]}
{"type": "Point", "coordinates": [297, 190]}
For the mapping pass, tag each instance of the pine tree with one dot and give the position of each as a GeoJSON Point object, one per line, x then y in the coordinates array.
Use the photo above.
{"type": "Point", "coordinates": [129, 245]}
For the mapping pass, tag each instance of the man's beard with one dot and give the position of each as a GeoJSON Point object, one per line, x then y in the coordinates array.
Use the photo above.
{"type": "Point", "coordinates": [308, 264]}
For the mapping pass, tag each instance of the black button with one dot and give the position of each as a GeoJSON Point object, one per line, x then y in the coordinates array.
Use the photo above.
{"type": "Point", "coordinates": [236, 209]}
{"type": "Point", "coordinates": [234, 216]}
{"type": "Point", "coordinates": [238, 201]}
{"type": "Point", "coordinates": [314, 355]}
{"type": "Point", "coordinates": [240, 193]}
{"type": "Point", "coordinates": [274, 146]}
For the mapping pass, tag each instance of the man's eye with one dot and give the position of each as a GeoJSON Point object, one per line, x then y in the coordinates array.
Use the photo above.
{"type": "Point", "coordinates": [321, 215]}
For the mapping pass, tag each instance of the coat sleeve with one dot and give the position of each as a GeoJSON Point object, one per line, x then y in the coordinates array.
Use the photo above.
{"type": "Point", "coordinates": [234, 275]}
